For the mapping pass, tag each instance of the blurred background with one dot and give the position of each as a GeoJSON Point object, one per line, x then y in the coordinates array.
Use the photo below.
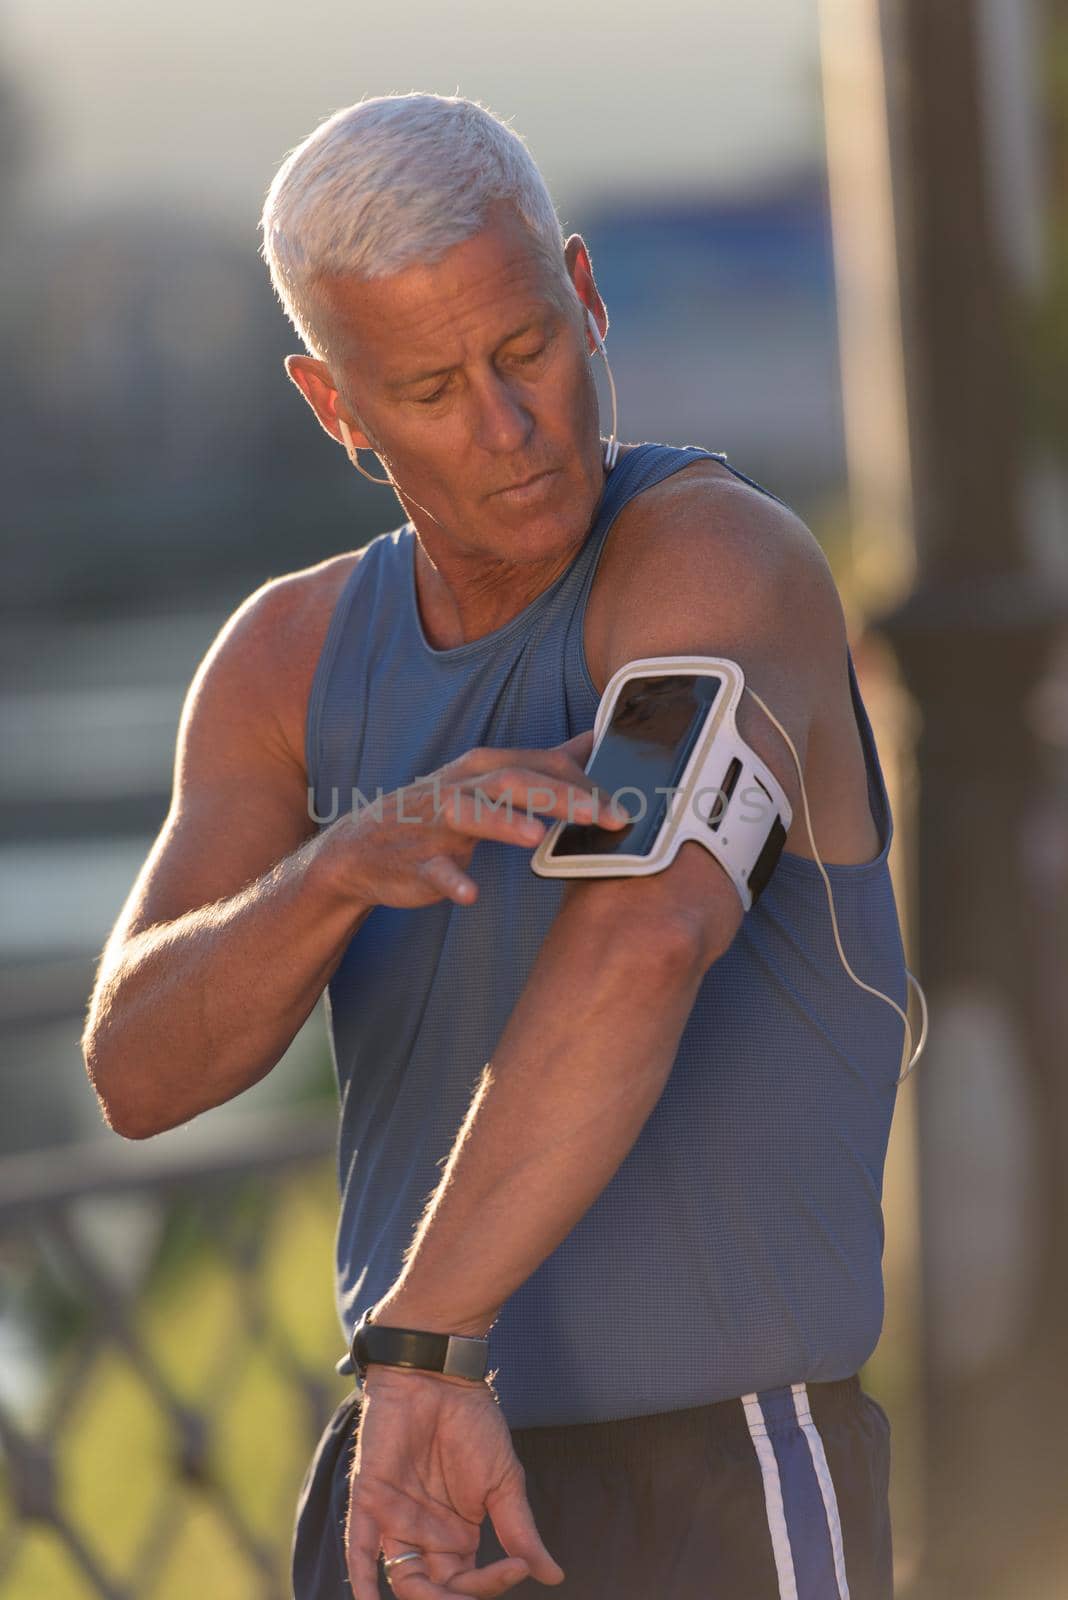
{"type": "Point", "coordinates": [832, 236]}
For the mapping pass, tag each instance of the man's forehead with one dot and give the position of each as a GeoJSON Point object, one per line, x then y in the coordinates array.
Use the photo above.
{"type": "Point", "coordinates": [495, 284]}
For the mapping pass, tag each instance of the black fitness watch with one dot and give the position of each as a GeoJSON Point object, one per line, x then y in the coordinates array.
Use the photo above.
{"type": "Point", "coordinates": [454, 1354]}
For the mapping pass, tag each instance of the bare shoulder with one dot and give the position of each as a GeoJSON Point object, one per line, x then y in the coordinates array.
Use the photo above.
{"type": "Point", "coordinates": [702, 550]}
{"type": "Point", "coordinates": [279, 631]}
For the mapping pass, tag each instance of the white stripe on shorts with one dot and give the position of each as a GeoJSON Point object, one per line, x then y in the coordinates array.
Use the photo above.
{"type": "Point", "coordinates": [769, 1467]}
{"type": "Point", "coordinates": [797, 1479]}
{"type": "Point", "coordinates": [823, 1478]}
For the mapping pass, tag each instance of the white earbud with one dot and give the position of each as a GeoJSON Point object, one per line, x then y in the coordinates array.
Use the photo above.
{"type": "Point", "coordinates": [350, 451]}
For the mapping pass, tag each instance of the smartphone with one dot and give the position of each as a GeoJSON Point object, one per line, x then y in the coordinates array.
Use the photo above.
{"type": "Point", "coordinates": [651, 734]}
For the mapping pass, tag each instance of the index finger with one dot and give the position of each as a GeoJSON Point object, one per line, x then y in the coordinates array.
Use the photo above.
{"type": "Point", "coordinates": [578, 746]}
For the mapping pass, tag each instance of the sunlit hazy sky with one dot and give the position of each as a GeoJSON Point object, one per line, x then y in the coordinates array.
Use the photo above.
{"type": "Point", "coordinates": [196, 103]}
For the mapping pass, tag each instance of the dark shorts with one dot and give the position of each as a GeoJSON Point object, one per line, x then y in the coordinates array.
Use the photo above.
{"type": "Point", "coordinates": [781, 1495]}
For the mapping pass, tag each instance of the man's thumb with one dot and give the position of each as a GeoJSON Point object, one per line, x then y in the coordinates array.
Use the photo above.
{"type": "Point", "coordinates": [513, 1523]}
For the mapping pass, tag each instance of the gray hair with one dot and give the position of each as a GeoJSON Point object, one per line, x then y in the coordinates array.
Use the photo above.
{"type": "Point", "coordinates": [390, 181]}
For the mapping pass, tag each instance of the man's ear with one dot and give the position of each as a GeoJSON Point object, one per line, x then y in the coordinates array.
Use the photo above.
{"type": "Point", "coordinates": [580, 271]}
{"type": "Point", "coordinates": [314, 380]}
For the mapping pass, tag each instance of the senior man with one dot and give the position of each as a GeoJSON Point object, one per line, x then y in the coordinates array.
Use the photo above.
{"type": "Point", "coordinates": [629, 1133]}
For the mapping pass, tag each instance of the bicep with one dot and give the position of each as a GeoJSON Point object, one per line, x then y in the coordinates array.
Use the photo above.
{"type": "Point", "coordinates": [756, 590]}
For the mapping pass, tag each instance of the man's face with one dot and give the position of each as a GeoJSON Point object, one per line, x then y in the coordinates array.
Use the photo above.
{"type": "Point", "coordinates": [472, 375]}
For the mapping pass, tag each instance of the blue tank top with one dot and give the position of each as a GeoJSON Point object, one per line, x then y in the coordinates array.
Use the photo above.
{"type": "Point", "coordinates": [739, 1245]}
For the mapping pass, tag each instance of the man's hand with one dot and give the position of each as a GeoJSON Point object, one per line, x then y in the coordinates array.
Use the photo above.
{"type": "Point", "coordinates": [433, 1456]}
{"type": "Point", "coordinates": [409, 848]}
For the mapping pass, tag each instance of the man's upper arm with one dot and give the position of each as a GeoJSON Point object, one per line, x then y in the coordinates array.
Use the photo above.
{"type": "Point", "coordinates": [239, 801]}
{"type": "Point", "coordinates": [714, 569]}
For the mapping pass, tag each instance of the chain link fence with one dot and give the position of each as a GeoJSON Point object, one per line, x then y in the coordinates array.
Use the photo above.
{"type": "Point", "coordinates": [167, 1349]}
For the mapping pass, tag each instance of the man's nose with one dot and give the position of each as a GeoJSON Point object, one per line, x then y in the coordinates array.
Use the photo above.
{"type": "Point", "coordinates": [504, 419]}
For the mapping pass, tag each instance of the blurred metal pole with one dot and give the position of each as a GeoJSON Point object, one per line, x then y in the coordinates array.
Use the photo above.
{"type": "Point", "coordinates": [974, 640]}
{"type": "Point", "coordinates": [868, 301]}
{"type": "Point", "coordinates": [882, 570]}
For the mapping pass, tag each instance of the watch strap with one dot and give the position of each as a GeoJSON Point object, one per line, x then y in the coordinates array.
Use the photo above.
{"type": "Point", "coordinates": [455, 1355]}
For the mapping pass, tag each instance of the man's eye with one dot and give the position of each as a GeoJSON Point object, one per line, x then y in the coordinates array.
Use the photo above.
{"type": "Point", "coordinates": [428, 399]}
{"type": "Point", "coordinates": [532, 355]}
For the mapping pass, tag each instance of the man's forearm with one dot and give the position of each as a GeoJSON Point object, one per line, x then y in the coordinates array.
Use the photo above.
{"type": "Point", "coordinates": [195, 1011]}
{"type": "Point", "coordinates": [579, 1067]}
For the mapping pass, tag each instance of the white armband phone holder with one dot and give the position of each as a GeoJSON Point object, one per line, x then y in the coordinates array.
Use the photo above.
{"type": "Point", "coordinates": [714, 788]}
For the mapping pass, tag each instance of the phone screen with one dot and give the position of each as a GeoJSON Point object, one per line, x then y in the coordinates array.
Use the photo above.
{"type": "Point", "coordinates": [650, 738]}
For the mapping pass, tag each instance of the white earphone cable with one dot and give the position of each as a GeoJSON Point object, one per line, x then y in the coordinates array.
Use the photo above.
{"type": "Point", "coordinates": [390, 482]}
{"type": "Point", "coordinates": [905, 1055]}
{"type": "Point", "coordinates": [611, 449]}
